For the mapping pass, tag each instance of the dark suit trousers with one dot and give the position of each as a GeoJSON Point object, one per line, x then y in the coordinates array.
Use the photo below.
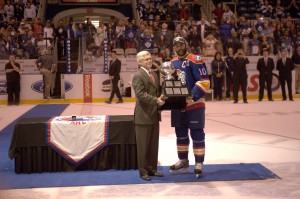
{"type": "Point", "coordinates": [218, 85]}
{"type": "Point", "coordinates": [238, 82]}
{"type": "Point", "coordinates": [288, 80]}
{"type": "Point", "coordinates": [228, 85]}
{"type": "Point", "coordinates": [147, 140]}
{"type": "Point", "coordinates": [115, 89]}
{"type": "Point", "coordinates": [264, 79]}
{"type": "Point", "coordinates": [13, 92]}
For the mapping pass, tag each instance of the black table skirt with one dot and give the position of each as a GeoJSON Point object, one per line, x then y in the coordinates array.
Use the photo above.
{"type": "Point", "coordinates": [32, 155]}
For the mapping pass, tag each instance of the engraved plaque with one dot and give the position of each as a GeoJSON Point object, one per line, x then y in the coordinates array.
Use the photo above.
{"type": "Point", "coordinates": [177, 84]}
{"type": "Point", "coordinates": [176, 91]}
{"type": "Point", "coordinates": [169, 83]}
{"type": "Point", "coordinates": [169, 91]}
{"type": "Point", "coordinates": [184, 91]}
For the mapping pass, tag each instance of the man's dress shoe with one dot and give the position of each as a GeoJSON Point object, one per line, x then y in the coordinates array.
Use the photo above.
{"type": "Point", "coordinates": [154, 173]}
{"type": "Point", "coordinates": [145, 177]}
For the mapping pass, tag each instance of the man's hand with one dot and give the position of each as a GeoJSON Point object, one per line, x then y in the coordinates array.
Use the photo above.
{"type": "Point", "coordinates": [189, 101]}
{"type": "Point", "coordinates": [161, 100]}
{"type": "Point", "coordinates": [111, 77]}
{"type": "Point", "coordinates": [219, 74]}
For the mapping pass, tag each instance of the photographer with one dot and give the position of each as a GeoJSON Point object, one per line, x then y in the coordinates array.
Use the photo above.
{"type": "Point", "coordinates": [240, 75]}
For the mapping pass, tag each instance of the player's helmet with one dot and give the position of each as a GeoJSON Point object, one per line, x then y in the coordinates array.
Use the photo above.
{"type": "Point", "coordinates": [180, 40]}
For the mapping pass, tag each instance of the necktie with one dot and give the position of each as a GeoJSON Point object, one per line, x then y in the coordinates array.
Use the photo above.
{"type": "Point", "coordinates": [152, 76]}
{"type": "Point", "coordinates": [266, 61]}
{"type": "Point", "coordinates": [283, 62]}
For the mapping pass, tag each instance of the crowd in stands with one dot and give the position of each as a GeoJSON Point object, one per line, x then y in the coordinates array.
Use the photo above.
{"type": "Point", "coordinates": [275, 26]}
{"type": "Point", "coordinates": [19, 28]}
{"type": "Point", "coordinates": [161, 21]}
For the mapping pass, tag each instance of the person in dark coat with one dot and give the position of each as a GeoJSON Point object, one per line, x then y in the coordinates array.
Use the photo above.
{"type": "Point", "coordinates": [265, 66]}
{"type": "Point", "coordinates": [218, 72]}
{"type": "Point", "coordinates": [12, 70]}
{"type": "Point", "coordinates": [285, 66]}
{"type": "Point", "coordinates": [296, 61]}
{"type": "Point", "coordinates": [114, 76]}
{"type": "Point", "coordinates": [240, 76]}
{"type": "Point", "coordinates": [229, 63]}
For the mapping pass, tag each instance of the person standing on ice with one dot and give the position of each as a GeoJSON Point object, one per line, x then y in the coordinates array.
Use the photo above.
{"type": "Point", "coordinates": [193, 117]}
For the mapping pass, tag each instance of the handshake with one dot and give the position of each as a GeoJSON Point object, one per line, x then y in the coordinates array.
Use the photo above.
{"type": "Point", "coordinates": [161, 100]}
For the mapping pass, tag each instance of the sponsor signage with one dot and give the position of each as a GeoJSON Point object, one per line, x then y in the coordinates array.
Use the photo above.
{"type": "Point", "coordinates": [68, 55]}
{"type": "Point", "coordinates": [100, 64]}
{"type": "Point", "coordinates": [106, 85]}
{"type": "Point", "coordinates": [37, 86]}
{"type": "Point", "coordinates": [253, 83]}
{"type": "Point", "coordinates": [96, 86]}
{"type": "Point", "coordinates": [31, 87]}
{"type": "Point", "coordinates": [87, 88]}
{"type": "Point", "coordinates": [3, 87]}
{"type": "Point", "coordinates": [68, 86]}
{"type": "Point", "coordinates": [89, 1]}
{"type": "Point", "coordinates": [105, 56]}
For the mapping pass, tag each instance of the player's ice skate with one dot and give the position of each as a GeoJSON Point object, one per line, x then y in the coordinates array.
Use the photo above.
{"type": "Point", "coordinates": [198, 169]}
{"type": "Point", "coordinates": [180, 167]}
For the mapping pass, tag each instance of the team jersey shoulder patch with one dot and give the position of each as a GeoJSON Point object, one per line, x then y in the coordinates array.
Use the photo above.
{"type": "Point", "coordinates": [195, 58]}
{"type": "Point", "coordinates": [175, 59]}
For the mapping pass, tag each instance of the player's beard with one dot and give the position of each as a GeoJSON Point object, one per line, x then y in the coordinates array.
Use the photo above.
{"type": "Point", "coordinates": [181, 53]}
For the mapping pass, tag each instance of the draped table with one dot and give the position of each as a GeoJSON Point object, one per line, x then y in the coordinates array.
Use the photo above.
{"type": "Point", "coordinates": [32, 154]}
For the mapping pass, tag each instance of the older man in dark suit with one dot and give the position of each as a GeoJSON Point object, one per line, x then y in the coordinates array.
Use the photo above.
{"type": "Point", "coordinates": [114, 76]}
{"type": "Point", "coordinates": [147, 116]}
{"type": "Point", "coordinates": [265, 66]}
{"type": "Point", "coordinates": [285, 66]}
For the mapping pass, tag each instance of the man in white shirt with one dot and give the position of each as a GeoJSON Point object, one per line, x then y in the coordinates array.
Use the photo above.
{"type": "Point", "coordinates": [203, 28]}
{"type": "Point", "coordinates": [48, 31]}
{"type": "Point", "coordinates": [9, 9]}
{"type": "Point", "coordinates": [29, 12]}
{"type": "Point", "coordinates": [42, 45]}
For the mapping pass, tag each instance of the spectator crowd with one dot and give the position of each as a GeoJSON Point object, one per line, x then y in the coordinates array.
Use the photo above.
{"type": "Point", "coordinates": [274, 27]}
{"type": "Point", "coordinates": [26, 36]}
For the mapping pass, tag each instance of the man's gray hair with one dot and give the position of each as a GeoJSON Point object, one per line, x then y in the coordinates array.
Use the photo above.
{"type": "Point", "coordinates": [141, 55]}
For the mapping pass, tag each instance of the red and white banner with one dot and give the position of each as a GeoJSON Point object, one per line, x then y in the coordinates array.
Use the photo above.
{"type": "Point", "coordinates": [77, 138]}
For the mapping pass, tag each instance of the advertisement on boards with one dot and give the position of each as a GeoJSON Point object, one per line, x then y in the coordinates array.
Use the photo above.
{"type": "Point", "coordinates": [31, 87]}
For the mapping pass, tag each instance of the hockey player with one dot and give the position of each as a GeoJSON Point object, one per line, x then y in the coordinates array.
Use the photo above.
{"type": "Point", "coordinates": [193, 117]}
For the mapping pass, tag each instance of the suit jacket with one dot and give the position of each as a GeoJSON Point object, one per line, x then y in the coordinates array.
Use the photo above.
{"type": "Point", "coordinates": [115, 68]}
{"type": "Point", "coordinates": [285, 70]}
{"type": "Point", "coordinates": [265, 69]}
{"type": "Point", "coordinates": [146, 92]}
{"type": "Point", "coordinates": [240, 70]}
{"type": "Point", "coordinates": [206, 31]}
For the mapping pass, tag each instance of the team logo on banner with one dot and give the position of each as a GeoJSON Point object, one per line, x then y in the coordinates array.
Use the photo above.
{"type": "Point", "coordinates": [77, 138]}
{"type": "Point", "coordinates": [87, 88]}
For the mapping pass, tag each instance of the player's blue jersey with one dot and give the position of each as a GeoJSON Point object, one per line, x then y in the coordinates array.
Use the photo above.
{"type": "Point", "coordinates": [197, 79]}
